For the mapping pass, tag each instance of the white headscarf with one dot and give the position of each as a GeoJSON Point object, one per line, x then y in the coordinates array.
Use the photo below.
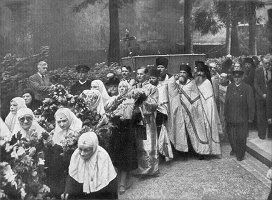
{"type": "Point", "coordinates": [102, 90]}
{"type": "Point", "coordinates": [34, 127]}
{"type": "Point", "coordinates": [75, 125]}
{"type": "Point", "coordinates": [96, 172]}
{"type": "Point", "coordinates": [11, 119]}
{"type": "Point", "coordinates": [126, 84]}
{"type": "Point", "coordinates": [98, 105]}
{"type": "Point", "coordinates": [4, 131]}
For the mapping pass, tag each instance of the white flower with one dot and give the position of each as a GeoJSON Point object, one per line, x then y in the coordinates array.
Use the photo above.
{"type": "Point", "coordinates": [10, 175]}
{"type": "Point", "coordinates": [23, 193]}
{"type": "Point", "coordinates": [21, 151]}
{"type": "Point", "coordinates": [41, 161]}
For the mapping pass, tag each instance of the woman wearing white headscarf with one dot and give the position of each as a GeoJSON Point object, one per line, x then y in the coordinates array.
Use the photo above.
{"type": "Point", "coordinates": [99, 85]}
{"type": "Point", "coordinates": [55, 160]}
{"type": "Point", "coordinates": [15, 104]}
{"type": "Point", "coordinates": [27, 126]}
{"type": "Point", "coordinates": [66, 123]}
{"type": "Point", "coordinates": [123, 141]}
{"type": "Point", "coordinates": [91, 172]}
{"type": "Point", "coordinates": [94, 101]}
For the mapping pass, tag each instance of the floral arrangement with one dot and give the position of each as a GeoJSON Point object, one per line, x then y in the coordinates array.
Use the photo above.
{"type": "Point", "coordinates": [22, 168]}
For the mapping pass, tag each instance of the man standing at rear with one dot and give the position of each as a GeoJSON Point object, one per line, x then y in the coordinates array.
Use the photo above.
{"type": "Point", "coordinates": [239, 111]}
{"type": "Point", "coordinates": [40, 82]}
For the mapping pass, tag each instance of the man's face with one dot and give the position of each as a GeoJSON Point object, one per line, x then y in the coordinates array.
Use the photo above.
{"type": "Point", "coordinates": [237, 80]}
{"type": "Point", "coordinates": [200, 73]}
{"type": "Point", "coordinates": [42, 68]}
{"type": "Point", "coordinates": [125, 73]}
{"type": "Point", "coordinates": [141, 76]}
{"type": "Point", "coordinates": [267, 64]}
{"type": "Point", "coordinates": [28, 98]}
{"type": "Point", "coordinates": [212, 67]}
{"type": "Point", "coordinates": [26, 122]}
{"type": "Point", "coordinates": [82, 75]}
{"type": "Point", "coordinates": [154, 80]}
{"type": "Point", "coordinates": [183, 77]}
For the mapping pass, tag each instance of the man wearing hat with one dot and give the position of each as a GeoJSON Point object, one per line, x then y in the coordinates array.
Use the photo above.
{"type": "Point", "coordinates": [162, 113]}
{"type": "Point", "coordinates": [249, 71]}
{"type": "Point", "coordinates": [187, 120]}
{"type": "Point", "coordinates": [162, 64]}
{"type": "Point", "coordinates": [239, 111]}
{"type": "Point", "coordinates": [82, 83]}
{"type": "Point", "coordinates": [262, 77]}
{"type": "Point", "coordinates": [205, 87]}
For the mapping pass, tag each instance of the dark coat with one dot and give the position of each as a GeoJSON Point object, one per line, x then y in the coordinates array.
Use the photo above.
{"type": "Point", "coordinates": [35, 103]}
{"type": "Point", "coordinates": [41, 87]}
{"type": "Point", "coordinates": [239, 104]}
{"type": "Point", "coordinates": [78, 88]}
{"type": "Point", "coordinates": [269, 100]}
{"type": "Point", "coordinates": [259, 84]}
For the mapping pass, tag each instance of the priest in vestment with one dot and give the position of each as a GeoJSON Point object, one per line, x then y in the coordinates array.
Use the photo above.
{"type": "Point", "coordinates": [207, 97]}
{"type": "Point", "coordinates": [186, 115]}
{"type": "Point", "coordinates": [147, 148]}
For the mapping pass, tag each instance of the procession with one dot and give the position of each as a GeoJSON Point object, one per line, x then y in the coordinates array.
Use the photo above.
{"type": "Point", "coordinates": [150, 122]}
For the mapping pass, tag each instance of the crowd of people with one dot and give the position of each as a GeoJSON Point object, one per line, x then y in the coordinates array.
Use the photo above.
{"type": "Point", "coordinates": [156, 115]}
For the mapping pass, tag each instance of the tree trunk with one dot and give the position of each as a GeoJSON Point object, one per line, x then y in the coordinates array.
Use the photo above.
{"type": "Point", "coordinates": [252, 30]}
{"type": "Point", "coordinates": [269, 27]}
{"type": "Point", "coordinates": [228, 30]}
{"type": "Point", "coordinates": [114, 46]}
{"type": "Point", "coordinates": [235, 50]}
{"type": "Point", "coordinates": [188, 47]}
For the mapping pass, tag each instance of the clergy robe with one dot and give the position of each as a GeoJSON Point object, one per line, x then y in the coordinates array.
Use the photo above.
{"type": "Point", "coordinates": [213, 125]}
{"type": "Point", "coordinates": [147, 150]}
{"type": "Point", "coordinates": [187, 116]}
{"type": "Point", "coordinates": [78, 88]}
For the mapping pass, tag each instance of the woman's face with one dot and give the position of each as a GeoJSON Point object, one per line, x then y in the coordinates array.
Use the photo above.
{"type": "Point", "coordinates": [92, 100]}
{"type": "Point", "coordinates": [63, 122]}
{"type": "Point", "coordinates": [94, 86]}
{"type": "Point", "coordinates": [28, 98]}
{"type": "Point", "coordinates": [26, 121]}
{"type": "Point", "coordinates": [85, 152]}
{"type": "Point", "coordinates": [123, 89]}
{"type": "Point", "coordinates": [13, 107]}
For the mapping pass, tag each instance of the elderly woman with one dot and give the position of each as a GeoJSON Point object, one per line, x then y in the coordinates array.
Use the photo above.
{"type": "Point", "coordinates": [31, 102]}
{"type": "Point", "coordinates": [91, 172]}
{"type": "Point", "coordinates": [123, 142]}
{"type": "Point", "coordinates": [27, 126]}
{"type": "Point", "coordinates": [67, 124]}
{"type": "Point", "coordinates": [99, 85]}
{"type": "Point", "coordinates": [15, 104]}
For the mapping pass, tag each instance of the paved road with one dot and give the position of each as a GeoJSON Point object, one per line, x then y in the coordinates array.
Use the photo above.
{"type": "Point", "coordinates": [212, 179]}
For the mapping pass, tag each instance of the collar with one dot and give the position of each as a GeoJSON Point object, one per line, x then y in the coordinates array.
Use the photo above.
{"type": "Point", "coordinates": [237, 85]}
{"type": "Point", "coordinates": [40, 74]}
{"type": "Point", "coordinates": [82, 82]}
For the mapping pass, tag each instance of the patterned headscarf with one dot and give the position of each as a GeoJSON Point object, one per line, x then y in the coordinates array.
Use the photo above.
{"type": "Point", "coordinates": [98, 105]}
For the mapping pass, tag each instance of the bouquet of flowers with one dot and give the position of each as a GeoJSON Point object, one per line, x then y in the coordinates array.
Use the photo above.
{"type": "Point", "coordinates": [23, 169]}
{"type": "Point", "coordinates": [139, 95]}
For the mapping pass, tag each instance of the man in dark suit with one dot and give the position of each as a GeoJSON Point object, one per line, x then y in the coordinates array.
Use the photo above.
{"type": "Point", "coordinates": [40, 82]}
{"type": "Point", "coordinates": [239, 111]}
{"type": "Point", "coordinates": [82, 83]}
{"type": "Point", "coordinates": [261, 80]}
{"type": "Point", "coordinates": [162, 64]}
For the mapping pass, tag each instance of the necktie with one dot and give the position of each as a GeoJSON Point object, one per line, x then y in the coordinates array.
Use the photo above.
{"type": "Point", "coordinates": [266, 75]}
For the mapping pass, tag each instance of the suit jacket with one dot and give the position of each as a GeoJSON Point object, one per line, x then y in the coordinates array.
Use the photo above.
{"type": "Point", "coordinates": [41, 87]}
{"type": "Point", "coordinates": [269, 100]}
{"type": "Point", "coordinates": [259, 84]}
{"type": "Point", "coordinates": [239, 104]}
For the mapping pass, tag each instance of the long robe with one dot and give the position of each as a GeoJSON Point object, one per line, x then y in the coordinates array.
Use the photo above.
{"type": "Point", "coordinates": [187, 116]}
{"type": "Point", "coordinates": [147, 150]}
{"type": "Point", "coordinates": [213, 125]}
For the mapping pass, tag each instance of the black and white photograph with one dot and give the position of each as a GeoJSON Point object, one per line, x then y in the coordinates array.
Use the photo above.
{"type": "Point", "coordinates": [136, 99]}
